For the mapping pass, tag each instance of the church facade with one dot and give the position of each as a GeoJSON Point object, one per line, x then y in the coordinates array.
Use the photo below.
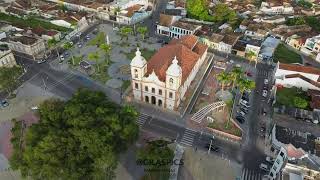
{"type": "Point", "coordinates": [165, 78]}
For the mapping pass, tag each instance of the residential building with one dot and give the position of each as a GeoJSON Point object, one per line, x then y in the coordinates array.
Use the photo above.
{"type": "Point", "coordinates": [26, 44]}
{"type": "Point", "coordinates": [271, 19]}
{"type": "Point", "coordinates": [252, 50]}
{"type": "Point", "coordinates": [6, 57]}
{"type": "Point", "coordinates": [290, 75]}
{"type": "Point", "coordinates": [318, 57]}
{"type": "Point", "coordinates": [298, 172]}
{"type": "Point", "coordinates": [173, 27]}
{"type": "Point", "coordinates": [296, 41]}
{"type": "Point", "coordinates": [315, 100]}
{"type": "Point", "coordinates": [256, 31]}
{"type": "Point", "coordinates": [268, 48]}
{"type": "Point", "coordinates": [274, 7]}
{"type": "Point", "coordinates": [312, 45]}
{"type": "Point", "coordinates": [239, 48]}
{"type": "Point", "coordinates": [165, 78]}
{"type": "Point", "coordinates": [278, 164]}
{"type": "Point", "coordinates": [222, 42]}
{"type": "Point", "coordinates": [47, 35]}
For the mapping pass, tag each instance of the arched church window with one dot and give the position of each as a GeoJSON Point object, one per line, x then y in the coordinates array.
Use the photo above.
{"type": "Point", "coordinates": [135, 73]}
{"type": "Point", "coordinates": [171, 81]}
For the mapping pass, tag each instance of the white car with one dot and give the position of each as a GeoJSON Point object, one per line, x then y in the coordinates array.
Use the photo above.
{"type": "Point", "coordinates": [264, 93]}
{"type": "Point", "coordinates": [266, 81]}
{"type": "Point", "coordinates": [61, 58]}
{"type": "Point", "coordinates": [269, 159]}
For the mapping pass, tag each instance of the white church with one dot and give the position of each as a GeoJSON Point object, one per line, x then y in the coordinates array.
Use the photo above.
{"type": "Point", "coordinates": [165, 78]}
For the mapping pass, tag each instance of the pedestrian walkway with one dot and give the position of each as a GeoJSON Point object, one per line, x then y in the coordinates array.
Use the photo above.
{"type": "Point", "coordinates": [188, 137]}
{"type": "Point", "coordinates": [251, 175]}
{"type": "Point", "coordinates": [198, 116]}
{"type": "Point", "coordinates": [142, 119]}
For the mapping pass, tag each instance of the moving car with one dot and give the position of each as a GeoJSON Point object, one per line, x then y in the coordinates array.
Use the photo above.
{"type": "Point", "coordinates": [264, 93]}
{"type": "Point", "coordinates": [263, 167]}
{"type": "Point", "coordinates": [4, 103]}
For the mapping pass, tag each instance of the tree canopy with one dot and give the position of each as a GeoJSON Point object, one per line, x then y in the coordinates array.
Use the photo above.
{"type": "Point", "coordinates": [198, 9]}
{"type": "Point", "coordinates": [8, 77]}
{"type": "Point", "coordinates": [77, 139]}
{"type": "Point", "coordinates": [222, 13]}
{"type": "Point", "coordinates": [157, 157]}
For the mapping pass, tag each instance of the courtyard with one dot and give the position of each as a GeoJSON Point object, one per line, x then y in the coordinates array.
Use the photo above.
{"type": "Point", "coordinates": [111, 68]}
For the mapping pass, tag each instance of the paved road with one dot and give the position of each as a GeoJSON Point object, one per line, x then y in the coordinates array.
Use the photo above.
{"type": "Point", "coordinates": [253, 148]}
{"type": "Point", "coordinates": [189, 137]}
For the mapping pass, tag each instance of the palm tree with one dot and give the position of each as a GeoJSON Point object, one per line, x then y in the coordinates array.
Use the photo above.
{"type": "Point", "coordinates": [245, 84]}
{"type": "Point", "coordinates": [236, 74]}
{"type": "Point", "coordinates": [125, 31]}
{"type": "Point", "coordinates": [106, 48]}
{"type": "Point", "coordinates": [68, 46]}
{"type": "Point", "coordinates": [142, 31]}
{"type": "Point", "coordinates": [117, 10]}
{"type": "Point", "coordinates": [95, 57]}
{"type": "Point", "coordinates": [224, 78]}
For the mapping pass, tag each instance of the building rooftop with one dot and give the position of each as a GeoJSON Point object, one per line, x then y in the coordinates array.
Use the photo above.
{"type": "Point", "coordinates": [230, 39]}
{"type": "Point", "coordinates": [165, 20]}
{"type": "Point", "coordinates": [186, 26]}
{"type": "Point", "coordinates": [216, 38]}
{"type": "Point", "coordinates": [24, 39]}
{"type": "Point", "coordinates": [187, 49]}
{"type": "Point", "coordinates": [240, 46]}
{"type": "Point", "coordinates": [299, 68]}
{"type": "Point", "coordinates": [298, 139]}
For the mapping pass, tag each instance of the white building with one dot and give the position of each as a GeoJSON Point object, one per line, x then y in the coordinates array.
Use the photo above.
{"type": "Point", "coordinates": [6, 58]}
{"type": "Point", "coordinates": [172, 27]}
{"type": "Point", "coordinates": [252, 49]}
{"type": "Point", "coordinates": [312, 45]}
{"type": "Point", "coordinates": [298, 172]}
{"type": "Point", "coordinates": [278, 164]}
{"type": "Point", "coordinates": [273, 7]}
{"type": "Point", "coordinates": [27, 45]}
{"type": "Point", "coordinates": [221, 42]}
{"type": "Point", "coordinates": [268, 48]}
{"type": "Point", "coordinates": [290, 75]}
{"type": "Point", "coordinates": [165, 78]}
{"type": "Point", "coordinates": [318, 57]}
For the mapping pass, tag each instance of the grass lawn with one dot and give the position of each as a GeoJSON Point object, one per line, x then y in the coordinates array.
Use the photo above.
{"type": "Point", "coordinates": [285, 96]}
{"type": "Point", "coordinates": [31, 22]}
{"type": "Point", "coordinates": [285, 55]}
{"type": "Point", "coordinates": [146, 53]}
{"type": "Point", "coordinates": [231, 129]}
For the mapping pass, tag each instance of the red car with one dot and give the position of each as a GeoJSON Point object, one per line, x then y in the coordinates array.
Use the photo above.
{"type": "Point", "coordinates": [248, 74]}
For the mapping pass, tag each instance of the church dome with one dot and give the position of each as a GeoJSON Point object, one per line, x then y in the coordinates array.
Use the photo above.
{"type": "Point", "coordinates": [138, 61]}
{"type": "Point", "coordinates": [174, 69]}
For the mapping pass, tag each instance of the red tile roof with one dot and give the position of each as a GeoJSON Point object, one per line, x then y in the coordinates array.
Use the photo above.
{"type": "Point", "coordinates": [187, 49]}
{"type": "Point", "coordinates": [298, 68]}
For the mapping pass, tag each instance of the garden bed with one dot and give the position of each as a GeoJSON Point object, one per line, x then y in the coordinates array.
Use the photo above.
{"type": "Point", "coordinates": [224, 127]}
{"type": "Point", "coordinates": [292, 97]}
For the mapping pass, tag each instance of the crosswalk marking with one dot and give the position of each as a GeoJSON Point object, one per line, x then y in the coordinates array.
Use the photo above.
{"type": "Point", "coordinates": [263, 73]}
{"type": "Point", "coordinates": [188, 137]}
{"type": "Point", "coordinates": [142, 119]}
{"type": "Point", "coordinates": [250, 175]}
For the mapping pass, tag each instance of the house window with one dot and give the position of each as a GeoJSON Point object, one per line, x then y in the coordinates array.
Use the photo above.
{"type": "Point", "coordinates": [274, 168]}
{"type": "Point", "coordinates": [136, 85]}
{"type": "Point", "coordinates": [281, 154]}
{"type": "Point", "coordinates": [271, 174]}
{"type": "Point", "coordinates": [160, 92]}
{"type": "Point", "coordinates": [278, 161]}
{"type": "Point", "coordinates": [146, 88]}
{"type": "Point", "coordinates": [153, 90]}
{"type": "Point", "coordinates": [170, 94]}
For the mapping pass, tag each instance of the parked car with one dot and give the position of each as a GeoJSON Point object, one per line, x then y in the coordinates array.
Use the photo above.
{"type": "Point", "coordinates": [66, 54]}
{"type": "Point", "coordinates": [241, 113]}
{"type": "Point", "coordinates": [212, 148]}
{"type": "Point", "coordinates": [4, 103]}
{"type": "Point", "coordinates": [264, 93]}
{"type": "Point", "coordinates": [88, 37]}
{"type": "Point", "coordinates": [263, 167]}
{"type": "Point", "coordinates": [244, 109]}
{"type": "Point", "coordinates": [61, 57]}
{"type": "Point", "coordinates": [266, 81]}
{"type": "Point", "coordinates": [41, 61]}
{"type": "Point", "coordinates": [246, 98]}
{"type": "Point", "coordinates": [240, 119]}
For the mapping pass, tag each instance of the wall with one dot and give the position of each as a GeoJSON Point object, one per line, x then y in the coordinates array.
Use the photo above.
{"type": "Point", "coordinates": [7, 59]}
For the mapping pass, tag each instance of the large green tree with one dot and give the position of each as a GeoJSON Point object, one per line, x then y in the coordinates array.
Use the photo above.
{"type": "Point", "coordinates": [77, 139]}
{"type": "Point", "coordinates": [222, 13]}
{"type": "Point", "coordinates": [94, 56]}
{"type": "Point", "coordinates": [9, 77]}
{"type": "Point", "coordinates": [125, 31]}
{"type": "Point", "coordinates": [68, 46]}
{"type": "Point", "coordinates": [142, 31]}
{"type": "Point", "coordinates": [198, 9]}
{"type": "Point", "coordinates": [106, 48]}
{"type": "Point", "coordinates": [236, 73]}
{"type": "Point", "coordinates": [157, 158]}
{"type": "Point", "coordinates": [300, 102]}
